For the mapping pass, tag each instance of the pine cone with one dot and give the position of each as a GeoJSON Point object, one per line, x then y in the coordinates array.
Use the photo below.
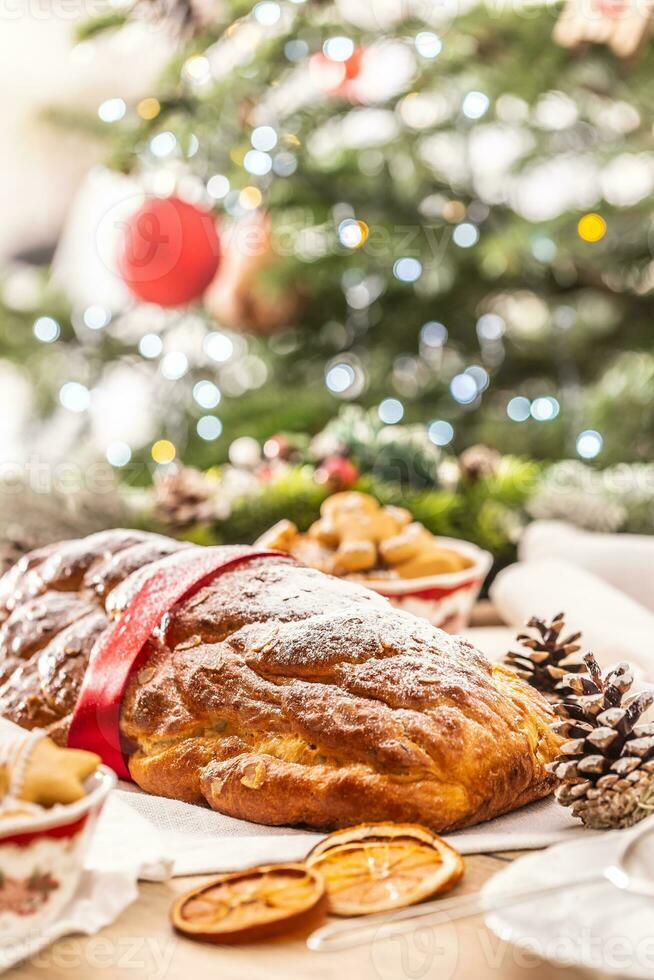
{"type": "Point", "coordinates": [546, 658]}
{"type": "Point", "coordinates": [606, 769]}
{"type": "Point", "coordinates": [185, 497]}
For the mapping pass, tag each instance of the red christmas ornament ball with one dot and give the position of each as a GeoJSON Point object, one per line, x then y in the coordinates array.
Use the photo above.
{"type": "Point", "coordinates": [338, 473]}
{"type": "Point", "coordinates": [169, 251]}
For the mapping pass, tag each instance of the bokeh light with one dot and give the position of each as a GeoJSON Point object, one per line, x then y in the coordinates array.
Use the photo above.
{"type": "Point", "coordinates": [391, 411]}
{"type": "Point", "coordinates": [163, 452]}
{"type": "Point", "coordinates": [589, 444]}
{"type": "Point", "coordinates": [440, 432]}
{"type": "Point", "coordinates": [46, 329]}
{"type": "Point", "coordinates": [592, 227]}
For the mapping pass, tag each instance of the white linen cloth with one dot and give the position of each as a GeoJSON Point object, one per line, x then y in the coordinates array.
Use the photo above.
{"type": "Point", "coordinates": [166, 837]}
{"type": "Point", "coordinates": [614, 626]}
{"type": "Point", "coordinates": [625, 561]}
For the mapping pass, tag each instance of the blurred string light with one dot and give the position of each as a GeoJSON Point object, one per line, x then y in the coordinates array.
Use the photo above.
{"type": "Point", "coordinates": [338, 48]}
{"type": "Point", "coordinates": [264, 138]}
{"type": "Point", "coordinates": [209, 427]}
{"type": "Point", "coordinates": [589, 444]}
{"type": "Point", "coordinates": [591, 227]}
{"type": "Point", "coordinates": [250, 198]}
{"type": "Point", "coordinates": [74, 396]}
{"type": "Point", "coordinates": [267, 13]}
{"type": "Point", "coordinates": [258, 163]}
{"type": "Point", "coordinates": [391, 411]}
{"type": "Point", "coordinates": [352, 233]}
{"type": "Point", "coordinates": [407, 269]}
{"type": "Point", "coordinates": [564, 317]}
{"type": "Point", "coordinates": [148, 108]}
{"type": "Point", "coordinates": [218, 346]}
{"type": "Point", "coordinates": [440, 432]}
{"type": "Point", "coordinates": [345, 378]}
{"type": "Point", "coordinates": [428, 44]}
{"type": "Point", "coordinates": [543, 249]}
{"type": "Point", "coordinates": [339, 378]}
{"type": "Point", "coordinates": [163, 452]}
{"type": "Point", "coordinates": [174, 365]}
{"type": "Point", "coordinates": [150, 345]}
{"type": "Point", "coordinates": [433, 334]}
{"type": "Point", "coordinates": [454, 211]}
{"type": "Point", "coordinates": [463, 389]}
{"type": "Point", "coordinates": [490, 327]}
{"type": "Point", "coordinates": [244, 452]}
{"type": "Point", "coordinates": [112, 110]}
{"type": "Point", "coordinates": [519, 409]}
{"type": "Point", "coordinates": [118, 454]}
{"type": "Point", "coordinates": [218, 186]}
{"type": "Point", "coordinates": [465, 235]}
{"type": "Point", "coordinates": [197, 70]}
{"type": "Point", "coordinates": [296, 50]}
{"type": "Point", "coordinates": [206, 394]}
{"type": "Point", "coordinates": [96, 317]}
{"type": "Point", "coordinates": [285, 164]}
{"type": "Point", "coordinates": [475, 105]}
{"type": "Point", "coordinates": [193, 145]}
{"type": "Point", "coordinates": [46, 329]}
{"type": "Point", "coordinates": [479, 375]}
{"type": "Point", "coordinates": [163, 144]}
{"type": "Point", "coordinates": [545, 409]}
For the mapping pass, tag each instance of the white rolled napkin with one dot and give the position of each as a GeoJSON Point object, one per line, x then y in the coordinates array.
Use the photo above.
{"type": "Point", "coordinates": [625, 561]}
{"type": "Point", "coordinates": [614, 626]}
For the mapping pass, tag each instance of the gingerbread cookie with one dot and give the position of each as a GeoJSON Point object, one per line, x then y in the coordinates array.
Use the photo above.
{"type": "Point", "coordinates": [356, 534]}
{"type": "Point", "coordinates": [35, 770]}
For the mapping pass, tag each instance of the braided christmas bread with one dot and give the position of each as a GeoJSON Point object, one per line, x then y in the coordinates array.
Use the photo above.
{"type": "Point", "coordinates": [276, 693]}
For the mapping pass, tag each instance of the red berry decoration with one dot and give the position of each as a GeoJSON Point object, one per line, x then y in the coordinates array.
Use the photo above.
{"type": "Point", "coordinates": [338, 473]}
{"type": "Point", "coordinates": [170, 251]}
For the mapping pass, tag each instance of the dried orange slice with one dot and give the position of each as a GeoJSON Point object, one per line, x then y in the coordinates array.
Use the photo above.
{"type": "Point", "coordinates": [376, 867]}
{"type": "Point", "coordinates": [246, 906]}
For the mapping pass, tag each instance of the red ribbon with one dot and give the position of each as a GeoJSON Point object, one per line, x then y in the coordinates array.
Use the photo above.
{"type": "Point", "coordinates": [95, 725]}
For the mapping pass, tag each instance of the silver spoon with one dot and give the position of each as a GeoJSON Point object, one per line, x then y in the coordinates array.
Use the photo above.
{"type": "Point", "coordinates": [350, 933]}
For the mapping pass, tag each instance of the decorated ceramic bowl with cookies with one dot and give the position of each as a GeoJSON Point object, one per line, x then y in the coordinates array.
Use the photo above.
{"type": "Point", "coordinates": [384, 548]}
{"type": "Point", "coordinates": [50, 801]}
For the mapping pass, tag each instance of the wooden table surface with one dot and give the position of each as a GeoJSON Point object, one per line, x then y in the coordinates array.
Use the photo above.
{"type": "Point", "coordinates": [141, 944]}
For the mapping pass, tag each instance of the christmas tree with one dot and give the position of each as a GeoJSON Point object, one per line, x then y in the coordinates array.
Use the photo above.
{"type": "Point", "coordinates": [443, 218]}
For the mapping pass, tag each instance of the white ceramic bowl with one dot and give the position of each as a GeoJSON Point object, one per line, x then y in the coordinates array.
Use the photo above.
{"type": "Point", "coordinates": [445, 600]}
{"type": "Point", "coordinates": [41, 859]}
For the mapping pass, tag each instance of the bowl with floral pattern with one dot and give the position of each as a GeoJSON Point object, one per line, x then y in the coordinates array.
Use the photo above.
{"type": "Point", "coordinates": [42, 856]}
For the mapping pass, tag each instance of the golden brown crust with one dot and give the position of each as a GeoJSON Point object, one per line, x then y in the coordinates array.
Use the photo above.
{"type": "Point", "coordinates": [278, 694]}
